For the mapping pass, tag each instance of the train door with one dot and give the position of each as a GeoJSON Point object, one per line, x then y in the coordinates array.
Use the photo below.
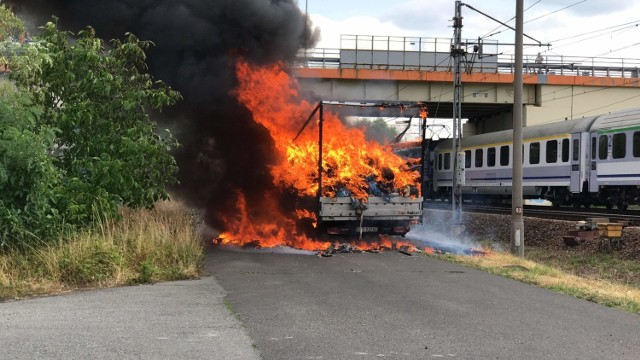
{"type": "Point", "coordinates": [575, 163]}
{"type": "Point", "coordinates": [585, 162]}
{"type": "Point", "coordinates": [593, 165]}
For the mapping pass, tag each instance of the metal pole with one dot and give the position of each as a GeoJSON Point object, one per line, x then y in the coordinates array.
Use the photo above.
{"type": "Point", "coordinates": [423, 150]}
{"type": "Point", "coordinates": [517, 232]}
{"type": "Point", "coordinates": [320, 126]}
{"type": "Point", "coordinates": [305, 43]}
{"type": "Point", "coordinates": [456, 52]}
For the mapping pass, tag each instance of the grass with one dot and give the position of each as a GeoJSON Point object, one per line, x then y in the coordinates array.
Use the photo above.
{"type": "Point", "coordinates": [561, 276]}
{"type": "Point", "coordinates": [604, 266]}
{"type": "Point", "coordinates": [232, 311]}
{"type": "Point", "coordinates": [145, 247]}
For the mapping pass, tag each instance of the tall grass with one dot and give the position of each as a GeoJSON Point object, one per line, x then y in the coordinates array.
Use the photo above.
{"type": "Point", "coordinates": [145, 246]}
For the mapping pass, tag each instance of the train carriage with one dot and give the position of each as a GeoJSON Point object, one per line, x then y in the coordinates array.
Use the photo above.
{"type": "Point", "coordinates": [615, 158]}
{"type": "Point", "coordinates": [594, 160]}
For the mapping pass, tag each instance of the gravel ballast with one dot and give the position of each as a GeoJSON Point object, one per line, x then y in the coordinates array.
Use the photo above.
{"type": "Point", "coordinates": [540, 233]}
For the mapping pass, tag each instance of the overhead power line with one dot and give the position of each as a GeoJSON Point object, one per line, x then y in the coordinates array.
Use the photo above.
{"type": "Point", "coordinates": [540, 17]}
{"type": "Point", "coordinates": [619, 49]}
{"type": "Point", "coordinates": [553, 12]}
{"type": "Point", "coordinates": [635, 23]}
{"type": "Point", "coordinates": [498, 27]}
{"type": "Point", "coordinates": [594, 36]}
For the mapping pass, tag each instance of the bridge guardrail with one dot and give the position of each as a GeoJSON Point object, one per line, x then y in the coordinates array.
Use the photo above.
{"type": "Point", "coordinates": [433, 54]}
{"type": "Point", "coordinates": [552, 65]}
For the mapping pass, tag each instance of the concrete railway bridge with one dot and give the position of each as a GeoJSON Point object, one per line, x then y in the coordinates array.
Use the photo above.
{"type": "Point", "coordinates": [390, 69]}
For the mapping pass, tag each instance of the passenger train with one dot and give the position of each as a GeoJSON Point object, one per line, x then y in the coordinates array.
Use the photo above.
{"type": "Point", "coordinates": [590, 161]}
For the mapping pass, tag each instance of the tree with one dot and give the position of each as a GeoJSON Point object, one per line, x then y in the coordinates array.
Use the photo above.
{"type": "Point", "coordinates": [11, 27]}
{"type": "Point", "coordinates": [377, 130]}
{"type": "Point", "coordinates": [98, 99]}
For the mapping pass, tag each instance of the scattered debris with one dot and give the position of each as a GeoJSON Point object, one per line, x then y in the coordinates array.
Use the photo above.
{"type": "Point", "coordinates": [517, 267]}
{"type": "Point", "coordinates": [406, 249]}
{"type": "Point", "coordinates": [252, 244]}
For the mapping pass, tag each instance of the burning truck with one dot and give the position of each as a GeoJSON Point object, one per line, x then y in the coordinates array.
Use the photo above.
{"type": "Point", "coordinates": [341, 183]}
{"type": "Point", "coordinates": [380, 207]}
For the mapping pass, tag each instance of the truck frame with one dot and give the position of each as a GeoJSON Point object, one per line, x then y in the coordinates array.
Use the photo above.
{"type": "Point", "coordinates": [344, 215]}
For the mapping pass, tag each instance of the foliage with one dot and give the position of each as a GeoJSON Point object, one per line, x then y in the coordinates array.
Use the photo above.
{"type": "Point", "coordinates": [11, 27]}
{"type": "Point", "coordinates": [28, 178]}
{"type": "Point", "coordinates": [97, 98]}
{"type": "Point", "coordinates": [377, 130]}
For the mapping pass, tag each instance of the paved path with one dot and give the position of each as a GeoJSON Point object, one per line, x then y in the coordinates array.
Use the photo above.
{"type": "Point", "coordinates": [176, 320]}
{"type": "Point", "coordinates": [353, 306]}
{"type": "Point", "coordinates": [372, 306]}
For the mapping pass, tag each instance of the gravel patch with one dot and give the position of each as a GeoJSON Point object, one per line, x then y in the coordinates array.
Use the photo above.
{"type": "Point", "coordinates": [540, 233]}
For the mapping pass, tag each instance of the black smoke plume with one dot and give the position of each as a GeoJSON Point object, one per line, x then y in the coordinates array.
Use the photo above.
{"type": "Point", "coordinates": [196, 42]}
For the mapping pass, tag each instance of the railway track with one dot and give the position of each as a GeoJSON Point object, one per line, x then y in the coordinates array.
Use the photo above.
{"type": "Point", "coordinates": [632, 217]}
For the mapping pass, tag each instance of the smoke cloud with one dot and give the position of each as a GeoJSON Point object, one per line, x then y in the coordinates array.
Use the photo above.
{"type": "Point", "coordinates": [196, 42]}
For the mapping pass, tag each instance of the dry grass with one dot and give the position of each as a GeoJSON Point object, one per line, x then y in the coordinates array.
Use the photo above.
{"type": "Point", "coordinates": [146, 246]}
{"type": "Point", "coordinates": [593, 289]}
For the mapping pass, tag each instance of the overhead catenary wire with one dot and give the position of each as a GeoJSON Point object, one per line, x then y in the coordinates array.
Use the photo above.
{"type": "Point", "coordinates": [541, 17]}
{"type": "Point", "coordinates": [555, 11]}
{"type": "Point", "coordinates": [633, 23]}
{"type": "Point", "coordinates": [623, 29]}
{"type": "Point", "coordinates": [500, 22]}
{"type": "Point", "coordinates": [498, 27]}
{"type": "Point", "coordinates": [619, 49]}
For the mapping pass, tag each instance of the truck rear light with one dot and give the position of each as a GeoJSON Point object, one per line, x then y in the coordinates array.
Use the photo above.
{"type": "Point", "coordinates": [400, 229]}
{"type": "Point", "coordinates": [333, 231]}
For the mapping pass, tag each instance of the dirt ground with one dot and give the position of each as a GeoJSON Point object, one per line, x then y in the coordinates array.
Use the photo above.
{"type": "Point", "coordinates": [544, 234]}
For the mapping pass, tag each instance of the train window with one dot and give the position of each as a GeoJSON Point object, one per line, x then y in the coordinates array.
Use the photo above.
{"type": "Point", "coordinates": [491, 157]}
{"type": "Point", "coordinates": [576, 149]}
{"type": "Point", "coordinates": [534, 153]}
{"type": "Point", "coordinates": [447, 161]}
{"type": "Point", "coordinates": [619, 148]}
{"type": "Point", "coordinates": [636, 144]}
{"type": "Point", "coordinates": [467, 159]}
{"type": "Point", "coordinates": [439, 161]}
{"type": "Point", "coordinates": [504, 155]}
{"type": "Point", "coordinates": [479, 157]}
{"type": "Point", "coordinates": [593, 148]}
{"type": "Point", "coordinates": [602, 147]}
{"type": "Point", "coordinates": [565, 150]}
{"type": "Point", "coordinates": [552, 151]}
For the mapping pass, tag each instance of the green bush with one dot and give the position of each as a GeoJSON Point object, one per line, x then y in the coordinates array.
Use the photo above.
{"type": "Point", "coordinates": [28, 177]}
{"type": "Point", "coordinates": [76, 137]}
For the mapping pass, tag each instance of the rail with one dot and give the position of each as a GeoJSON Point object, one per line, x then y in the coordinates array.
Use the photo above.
{"type": "Point", "coordinates": [433, 54]}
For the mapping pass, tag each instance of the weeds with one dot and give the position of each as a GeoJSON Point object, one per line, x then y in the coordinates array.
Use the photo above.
{"type": "Point", "coordinates": [144, 247]}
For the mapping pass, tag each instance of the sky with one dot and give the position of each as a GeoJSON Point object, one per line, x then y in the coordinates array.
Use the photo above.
{"type": "Point", "coordinates": [589, 28]}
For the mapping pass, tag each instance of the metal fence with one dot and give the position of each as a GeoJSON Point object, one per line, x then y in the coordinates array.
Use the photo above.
{"type": "Point", "coordinates": [433, 54]}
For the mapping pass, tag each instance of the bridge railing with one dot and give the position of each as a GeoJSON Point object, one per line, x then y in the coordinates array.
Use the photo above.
{"type": "Point", "coordinates": [433, 54]}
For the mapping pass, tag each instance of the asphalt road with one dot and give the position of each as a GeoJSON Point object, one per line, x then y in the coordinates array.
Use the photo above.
{"type": "Point", "coordinates": [371, 306]}
{"type": "Point", "coordinates": [175, 320]}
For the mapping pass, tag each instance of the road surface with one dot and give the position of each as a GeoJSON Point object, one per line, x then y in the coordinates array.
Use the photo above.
{"type": "Point", "coordinates": [371, 306]}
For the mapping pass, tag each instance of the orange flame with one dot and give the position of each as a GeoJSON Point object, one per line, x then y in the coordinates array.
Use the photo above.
{"type": "Point", "coordinates": [348, 160]}
{"type": "Point", "coordinates": [265, 226]}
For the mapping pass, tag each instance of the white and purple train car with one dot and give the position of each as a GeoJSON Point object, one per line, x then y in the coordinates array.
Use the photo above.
{"type": "Point", "coordinates": [590, 161]}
